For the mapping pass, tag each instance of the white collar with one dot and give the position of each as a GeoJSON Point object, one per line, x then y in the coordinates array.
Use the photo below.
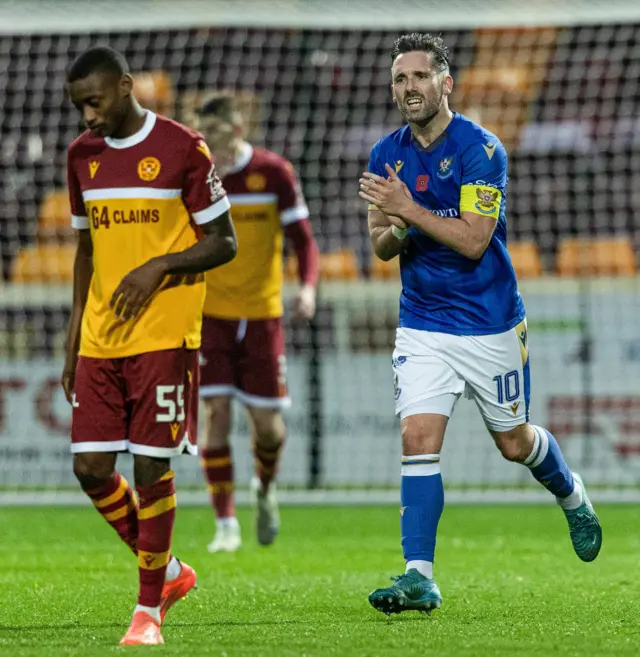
{"type": "Point", "coordinates": [244, 157]}
{"type": "Point", "coordinates": [138, 137]}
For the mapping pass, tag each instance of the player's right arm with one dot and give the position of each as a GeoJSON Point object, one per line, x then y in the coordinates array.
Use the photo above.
{"type": "Point", "coordinates": [385, 243]}
{"type": "Point", "coordinates": [82, 274]}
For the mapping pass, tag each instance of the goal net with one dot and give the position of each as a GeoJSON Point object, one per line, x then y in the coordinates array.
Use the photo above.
{"type": "Point", "coordinates": [314, 80]}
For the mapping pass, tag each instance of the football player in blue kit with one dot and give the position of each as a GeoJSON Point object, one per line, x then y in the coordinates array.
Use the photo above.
{"type": "Point", "coordinates": [437, 199]}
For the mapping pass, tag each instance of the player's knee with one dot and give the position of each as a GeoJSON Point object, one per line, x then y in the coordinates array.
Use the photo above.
{"type": "Point", "coordinates": [269, 427]}
{"type": "Point", "coordinates": [515, 444]}
{"type": "Point", "coordinates": [93, 470]}
{"type": "Point", "coordinates": [217, 422]}
{"type": "Point", "coordinates": [422, 434]}
{"type": "Point", "coordinates": [149, 469]}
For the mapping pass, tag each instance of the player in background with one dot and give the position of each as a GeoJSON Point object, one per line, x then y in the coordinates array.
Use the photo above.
{"type": "Point", "coordinates": [143, 190]}
{"type": "Point", "coordinates": [436, 189]}
{"type": "Point", "coordinates": [243, 345]}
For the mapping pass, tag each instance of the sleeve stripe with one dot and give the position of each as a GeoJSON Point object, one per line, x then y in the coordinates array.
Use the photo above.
{"type": "Point", "coordinates": [212, 212]}
{"type": "Point", "coordinates": [78, 222]}
{"type": "Point", "coordinates": [291, 215]}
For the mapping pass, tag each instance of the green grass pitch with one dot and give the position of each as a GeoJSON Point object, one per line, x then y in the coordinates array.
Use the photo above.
{"type": "Point", "coordinates": [511, 585]}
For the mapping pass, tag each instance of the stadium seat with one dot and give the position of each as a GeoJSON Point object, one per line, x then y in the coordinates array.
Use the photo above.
{"type": "Point", "coordinates": [291, 269]}
{"type": "Point", "coordinates": [51, 259]}
{"type": "Point", "coordinates": [504, 77]}
{"type": "Point", "coordinates": [596, 257]}
{"type": "Point", "coordinates": [44, 263]}
{"type": "Point", "coordinates": [531, 46]}
{"type": "Point", "coordinates": [339, 265]}
{"type": "Point", "coordinates": [525, 257]}
{"type": "Point", "coordinates": [54, 217]}
{"type": "Point", "coordinates": [382, 270]}
{"type": "Point", "coordinates": [497, 97]}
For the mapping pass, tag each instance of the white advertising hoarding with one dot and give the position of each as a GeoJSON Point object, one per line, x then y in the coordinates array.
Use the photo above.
{"type": "Point", "coordinates": [361, 435]}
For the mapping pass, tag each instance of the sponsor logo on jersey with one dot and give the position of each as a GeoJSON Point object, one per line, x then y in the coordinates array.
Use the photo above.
{"type": "Point", "coordinates": [447, 212]}
{"type": "Point", "coordinates": [398, 165]}
{"type": "Point", "coordinates": [175, 427]}
{"type": "Point", "coordinates": [402, 508]}
{"type": "Point", "coordinates": [94, 165]}
{"type": "Point", "coordinates": [204, 149]}
{"type": "Point", "coordinates": [422, 182]}
{"type": "Point", "coordinates": [148, 169]}
{"type": "Point", "coordinates": [483, 183]}
{"type": "Point", "coordinates": [102, 216]}
{"type": "Point", "coordinates": [514, 407]}
{"type": "Point", "coordinates": [489, 149]}
{"type": "Point", "coordinates": [445, 168]}
{"type": "Point", "coordinates": [396, 388]}
{"type": "Point", "coordinates": [255, 182]}
{"type": "Point", "coordinates": [486, 200]}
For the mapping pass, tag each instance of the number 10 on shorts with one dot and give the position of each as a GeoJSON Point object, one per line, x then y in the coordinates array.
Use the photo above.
{"type": "Point", "coordinates": [508, 386]}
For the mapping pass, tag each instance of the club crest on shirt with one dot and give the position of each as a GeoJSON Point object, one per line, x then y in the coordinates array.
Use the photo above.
{"type": "Point", "coordinates": [255, 182]}
{"type": "Point", "coordinates": [445, 168]}
{"type": "Point", "coordinates": [486, 200]}
{"type": "Point", "coordinates": [148, 169]}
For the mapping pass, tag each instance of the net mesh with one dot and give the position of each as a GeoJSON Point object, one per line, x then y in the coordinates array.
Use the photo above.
{"type": "Point", "coordinates": [565, 102]}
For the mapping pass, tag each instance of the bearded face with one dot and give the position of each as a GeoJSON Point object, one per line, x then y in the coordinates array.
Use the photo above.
{"type": "Point", "coordinates": [419, 89]}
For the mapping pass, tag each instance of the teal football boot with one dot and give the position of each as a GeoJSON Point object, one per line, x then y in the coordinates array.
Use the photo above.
{"type": "Point", "coordinates": [410, 592]}
{"type": "Point", "coordinates": [584, 527]}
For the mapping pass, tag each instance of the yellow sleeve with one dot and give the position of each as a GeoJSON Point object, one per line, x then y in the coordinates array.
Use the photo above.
{"type": "Point", "coordinates": [480, 199]}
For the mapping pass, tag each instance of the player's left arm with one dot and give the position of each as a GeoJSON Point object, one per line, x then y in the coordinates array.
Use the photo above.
{"type": "Point", "coordinates": [483, 182]}
{"type": "Point", "coordinates": [207, 201]}
{"type": "Point", "coordinates": [294, 217]}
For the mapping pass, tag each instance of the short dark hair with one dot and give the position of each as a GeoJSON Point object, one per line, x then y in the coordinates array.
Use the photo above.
{"type": "Point", "coordinates": [221, 104]}
{"type": "Point", "coordinates": [416, 41]}
{"type": "Point", "coordinates": [100, 59]}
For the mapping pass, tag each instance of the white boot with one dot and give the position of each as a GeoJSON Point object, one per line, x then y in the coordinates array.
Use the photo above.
{"type": "Point", "coordinates": [227, 537]}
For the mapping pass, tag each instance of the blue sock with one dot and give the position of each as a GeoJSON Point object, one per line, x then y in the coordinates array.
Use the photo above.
{"type": "Point", "coordinates": [422, 502]}
{"type": "Point", "coordinates": [547, 464]}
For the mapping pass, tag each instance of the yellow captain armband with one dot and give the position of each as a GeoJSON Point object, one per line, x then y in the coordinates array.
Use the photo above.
{"type": "Point", "coordinates": [480, 199]}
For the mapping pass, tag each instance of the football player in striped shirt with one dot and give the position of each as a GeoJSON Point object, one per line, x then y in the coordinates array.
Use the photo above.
{"type": "Point", "coordinates": [243, 345]}
{"type": "Point", "coordinates": [152, 217]}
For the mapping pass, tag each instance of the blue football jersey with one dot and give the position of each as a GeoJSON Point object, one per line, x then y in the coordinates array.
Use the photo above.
{"type": "Point", "coordinates": [465, 169]}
